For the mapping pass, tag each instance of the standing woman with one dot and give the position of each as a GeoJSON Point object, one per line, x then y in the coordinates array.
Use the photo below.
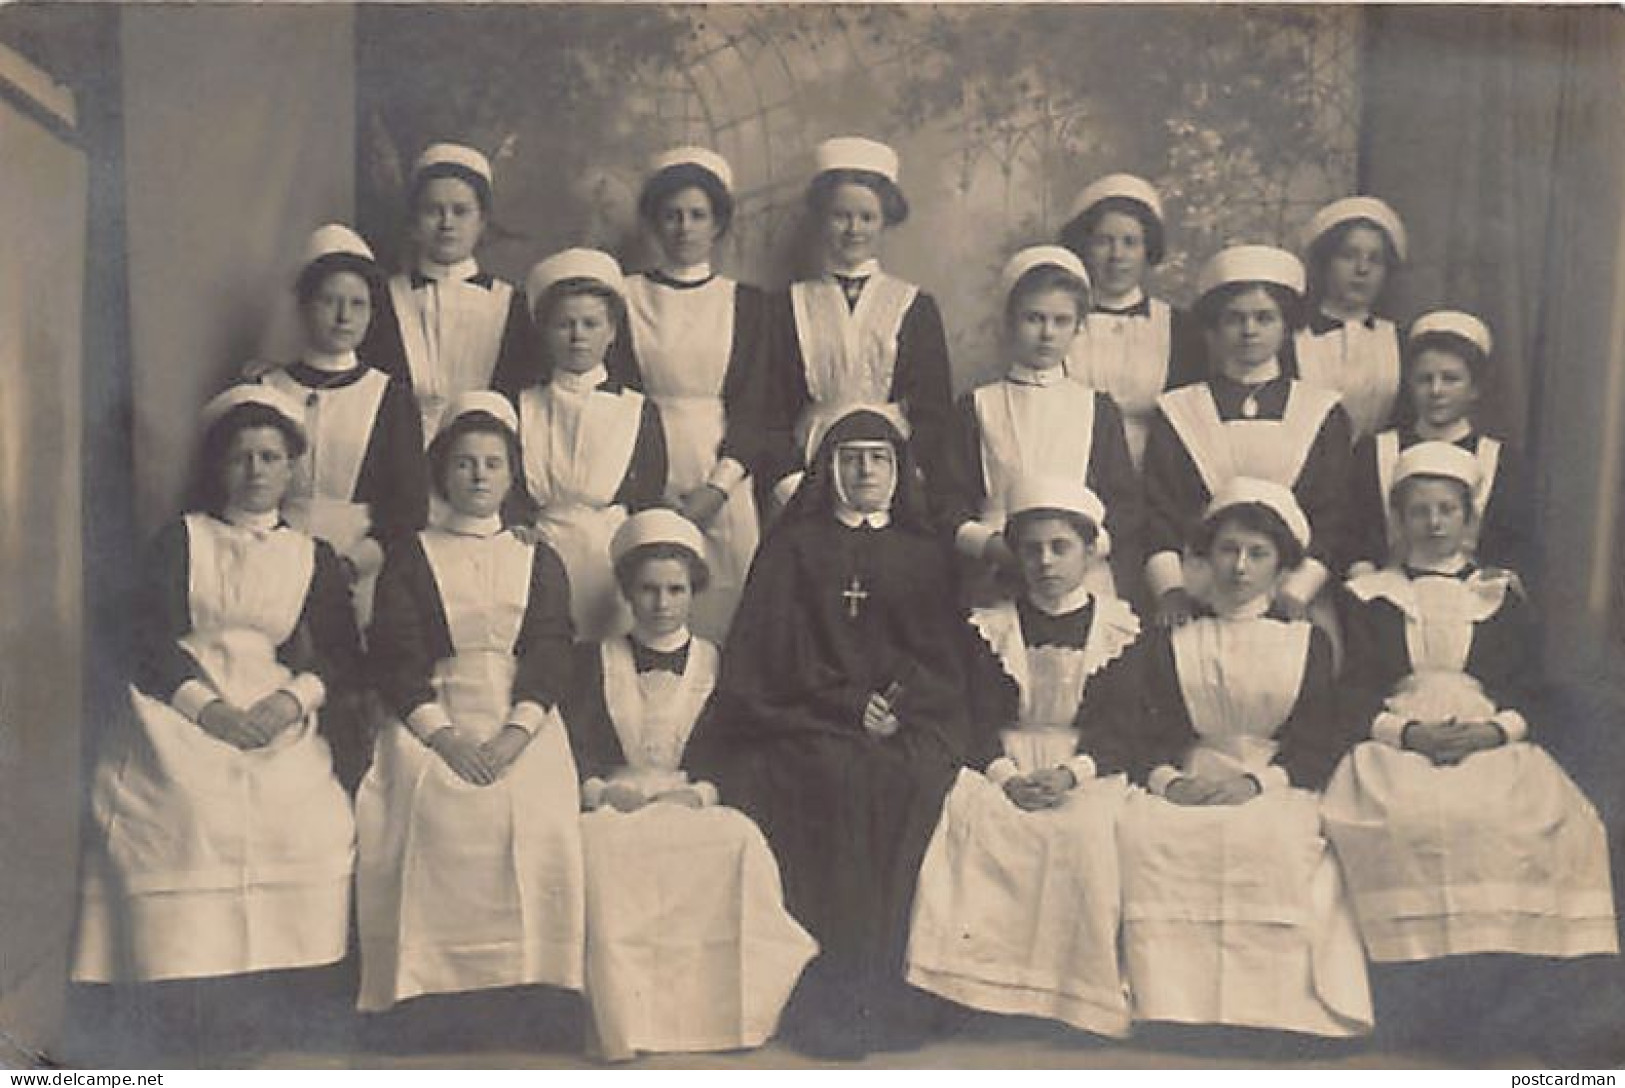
{"type": "Point", "coordinates": [854, 334]}
{"type": "Point", "coordinates": [1248, 419]}
{"type": "Point", "coordinates": [362, 481]}
{"type": "Point", "coordinates": [448, 327]}
{"type": "Point", "coordinates": [697, 339]}
{"type": "Point", "coordinates": [1352, 246]}
{"type": "Point", "coordinates": [594, 450]}
{"type": "Point", "coordinates": [470, 871]}
{"type": "Point", "coordinates": [1234, 911]}
{"type": "Point", "coordinates": [1130, 346]}
{"type": "Point", "coordinates": [223, 843]}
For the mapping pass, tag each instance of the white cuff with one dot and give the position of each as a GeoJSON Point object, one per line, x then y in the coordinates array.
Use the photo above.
{"type": "Point", "coordinates": [308, 691]}
{"type": "Point", "coordinates": [1273, 777]}
{"type": "Point", "coordinates": [191, 697]}
{"type": "Point", "coordinates": [1001, 770]}
{"type": "Point", "coordinates": [1162, 778]}
{"type": "Point", "coordinates": [427, 720]}
{"type": "Point", "coordinates": [1082, 767]}
{"type": "Point", "coordinates": [528, 716]}
{"type": "Point", "coordinates": [726, 474]}
{"type": "Point", "coordinates": [971, 538]}
{"type": "Point", "coordinates": [708, 794]}
{"type": "Point", "coordinates": [1389, 728]}
{"type": "Point", "coordinates": [1304, 584]}
{"type": "Point", "coordinates": [367, 555]}
{"type": "Point", "coordinates": [1512, 723]}
{"type": "Point", "coordinates": [1165, 571]}
{"type": "Point", "coordinates": [785, 488]}
{"type": "Point", "coordinates": [592, 792]}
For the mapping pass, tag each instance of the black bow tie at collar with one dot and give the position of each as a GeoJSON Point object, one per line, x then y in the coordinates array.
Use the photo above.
{"type": "Point", "coordinates": [1321, 323]}
{"type": "Point", "coordinates": [478, 279]}
{"type": "Point", "coordinates": [1466, 572]}
{"type": "Point", "coordinates": [647, 660]}
{"type": "Point", "coordinates": [1141, 308]}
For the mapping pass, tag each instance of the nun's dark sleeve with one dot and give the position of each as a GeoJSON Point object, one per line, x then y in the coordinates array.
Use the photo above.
{"type": "Point", "coordinates": [593, 740]}
{"type": "Point", "coordinates": [644, 484]}
{"type": "Point", "coordinates": [744, 385]}
{"type": "Point", "coordinates": [1187, 350]}
{"type": "Point", "coordinates": [923, 380]}
{"type": "Point", "coordinates": [1314, 736]}
{"type": "Point", "coordinates": [394, 476]}
{"type": "Point", "coordinates": [163, 616]}
{"type": "Point", "coordinates": [408, 633]}
{"type": "Point", "coordinates": [1112, 712]}
{"type": "Point", "coordinates": [1113, 478]}
{"type": "Point", "coordinates": [546, 634]}
{"type": "Point", "coordinates": [1367, 537]}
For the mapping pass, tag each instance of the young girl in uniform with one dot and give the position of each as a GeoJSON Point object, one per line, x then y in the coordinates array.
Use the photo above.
{"type": "Point", "coordinates": [1249, 418]}
{"type": "Point", "coordinates": [448, 327]}
{"type": "Point", "coordinates": [1352, 246]}
{"type": "Point", "coordinates": [222, 842]}
{"type": "Point", "coordinates": [1130, 346]}
{"type": "Point", "coordinates": [1446, 354]}
{"type": "Point", "coordinates": [1018, 908]}
{"type": "Point", "coordinates": [594, 450]}
{"type": "Point", "coordinates": [470, 872]}
{"type": "Point", "coordinates": [1458, 834]}
{"type": "Point", "coordinates": [1035, 420]}
{"type": "Point", "coordinates": [1234, 911]}
{"type": "Point", "coordinates": [689, 945]}
{"type": "Point", "coordinates": [854, 334]}
{"type": "Point", "coordinates": [697, 339]}
{"type": "Point", "coordinates": [362, 480]}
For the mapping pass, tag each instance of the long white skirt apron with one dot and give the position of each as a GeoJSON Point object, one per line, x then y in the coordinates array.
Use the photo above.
{"type": "Point", "coordinates": [581, 535]}
{"type": "Point", "coordinates": [1499, 853]}
{"type": "Point", "coordinates": [689, 946]}
{"type": "Point", "coordinates": [1236, 914]}
{"type": "Point", "coordinates": [1017, 912]}
{"type": "Point", "coordinates": [209, 860]}
{"type": "Point", "coordinates": [464, 887]}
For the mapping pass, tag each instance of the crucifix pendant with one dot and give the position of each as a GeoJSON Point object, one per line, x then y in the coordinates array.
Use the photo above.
{"type": "Point", "coordinates": [854, 595]}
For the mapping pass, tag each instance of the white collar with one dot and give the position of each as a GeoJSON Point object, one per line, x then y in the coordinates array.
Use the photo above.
{"type": "Point", "coordinates": [1250, 609]}
{"type": "Point", "coordinates": [568, 381]}
{"type": "Point", "coordinates": [1453, 433]}
{"type": "Point", "coordinates": [1069, 602]}
{"type": "Point", "coordinates": [331, 364]}
{"type": "Point", "coordinates": [1348, 317]}
{"type": "Point", "coordinates": [1258, 375]}
{"type": "Point", "coordinates": [440, 273]}
{"type": "Point", "coordinates": [253, 522]}
{"type": "Point", "coordinates": [464, 525]}
{"type": "Point", "coordinates": [1451, 565]}
{"type": "Point", "coordinates": [862, 271]}
{"type": "Point", "coordinates": [851, 518]}
{"type": "Point", "coordinates": [1135, 296]}
{"type": "Point", "coordinates": [1022, 374]}
{"type": "Point", "coordinates": [690, 273]}
{"type": "Point", "coordinates": [662, 644]}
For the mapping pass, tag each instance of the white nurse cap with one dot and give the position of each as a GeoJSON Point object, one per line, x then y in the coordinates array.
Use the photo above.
{"type": "Point", "coordinates": [1457, 323]}
{"type": "Point", "coordinates": [453, 155]}
{"type": "Point", "coordinates": [481, 400]}
{"type": "Point", "coordinates": [1242, 490]}
{"type": "Point", "coordinates": [254, 393]}
{"type": "Point", "coordinates": [705, 159]}
{"type": "Point", "coordinates": [1124, 186]}
{"type": "Point", "coordinates": [1251, 264]}
{"type": "Point", "coordinates": [1036, 256]}
{"type": "Point", "coordinates": [574, 264]}
{"type": "Point", "coordinates": [1358, 207]}
{"type": "Point", "coordinates": [656, 526]}
{"type": "Point", "coordinates": [332, 239]}
{"type": "Point", "coordinates": [857, 153]}
{"type": "Point", "coordinates": [1437, 459]}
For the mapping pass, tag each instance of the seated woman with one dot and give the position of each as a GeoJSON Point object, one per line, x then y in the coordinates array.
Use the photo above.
{"type": "Point", "coordinates": [221, 841]}
{"type": "Point", "coordinates": [470, 871]}
{"type": "Point", "coordinates": [689, 946]}
{"type": "Point", "coordinates": [1233, 908]}
{"type": "Point", "coordinates": [594, 450]}
{"type": "Point", "coordinates": [1018, 903]}
{"type": "Point", "coordinates": [1457, 833]}
{"type": "Point", "coordinates": [841, 723]}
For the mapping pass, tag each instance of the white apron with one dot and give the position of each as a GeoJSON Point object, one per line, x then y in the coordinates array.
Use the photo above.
{"type": "Point", "coordinates": [1027, 429]}
{"type": "Point", "coordinates": [1488, 452]}
{"type": "Point", "coordinates": [1018, 912]}
{"type": "Point", "coordinates": [1360, 365]}
{"type": "Point", "coordinates": [1236, 914]}
{"type": "Point", "coordinates": [209, 860]}
{"type": "Point", "coordinates": [338, 427]}
{"type": "Point", "coordinates": [849, 354]}
{"type": "Point", "coordinates": [683, 341]}
{"type": "Point", "coordinates": [1126, 358]}
{"type": "Point", "coordinates": [577, 448]}
{"type": "Point", "coordinates": [689, 946]}
{"type": "Point", "coordinates": [463, 887]}
{"type": "Point", "coordinates": [1500, 853]}
{"type": "Point", "coordinates": [452, 331]}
